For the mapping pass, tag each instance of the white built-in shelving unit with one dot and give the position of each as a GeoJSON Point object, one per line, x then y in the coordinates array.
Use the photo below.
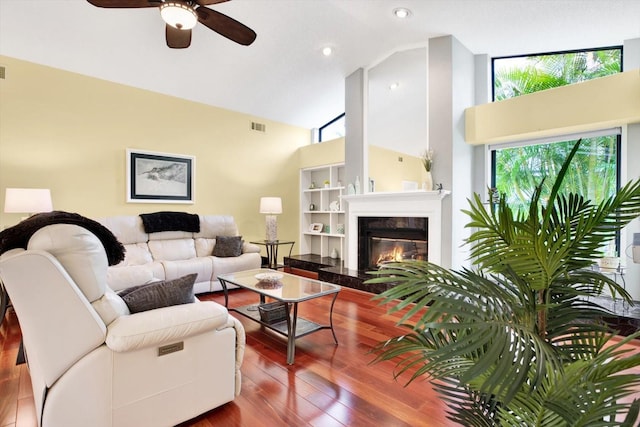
{"type": "Point", "coordinates": [320, 203]}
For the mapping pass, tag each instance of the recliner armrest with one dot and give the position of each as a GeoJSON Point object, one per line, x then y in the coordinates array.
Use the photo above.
{"type": "Point", "coordinates": [164, 325]}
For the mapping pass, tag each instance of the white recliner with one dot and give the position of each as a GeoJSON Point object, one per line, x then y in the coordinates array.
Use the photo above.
{"type": "Point", "coordinates": [92, 363]}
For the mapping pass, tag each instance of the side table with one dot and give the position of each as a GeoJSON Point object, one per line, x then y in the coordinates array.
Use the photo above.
{"type": "Point", "coordinates": [615, 273]}
{"type": "Point", "coordinates": [271, 247]}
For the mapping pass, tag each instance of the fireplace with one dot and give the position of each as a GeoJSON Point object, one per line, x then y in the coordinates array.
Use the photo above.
{"type": "Point", "coordinates": [420, 205]}
{"type": "Point", "coordinates": [389, 239]}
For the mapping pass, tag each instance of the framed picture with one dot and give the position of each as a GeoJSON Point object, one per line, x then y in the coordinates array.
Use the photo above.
{"type": "Point", "coordinates": [159, 177]}
{"type": "Point", "coordinates": [316, 227]}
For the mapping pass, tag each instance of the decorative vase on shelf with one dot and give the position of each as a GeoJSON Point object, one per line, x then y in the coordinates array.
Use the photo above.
{"type": "Point", "coordinates": [334, 253]}
{"type": "Point", "coordinates": [428, 182]}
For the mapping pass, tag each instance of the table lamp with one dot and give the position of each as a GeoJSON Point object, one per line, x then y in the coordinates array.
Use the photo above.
{"type": "Point", "coordinates": [271, 206]}
{"type": "Point", "coordinates": [27, 201]}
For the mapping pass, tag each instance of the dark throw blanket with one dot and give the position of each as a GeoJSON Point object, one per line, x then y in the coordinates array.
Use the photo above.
{"type": "Point", "coordinates": [18, 236]}
{"type": "Point", "coordinates": [170, 221]}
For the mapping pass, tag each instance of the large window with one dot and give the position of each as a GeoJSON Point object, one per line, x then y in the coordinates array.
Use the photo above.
{"type": "Point", "coordinates": [518, 168]}
{"type": "Point", "coordinates": [519, 75]}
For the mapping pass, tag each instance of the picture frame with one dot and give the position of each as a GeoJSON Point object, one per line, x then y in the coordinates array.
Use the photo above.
{"type": "Point", "coordinates": [154, 177]}
{"type": "Point", "coordinates": [316, 227]}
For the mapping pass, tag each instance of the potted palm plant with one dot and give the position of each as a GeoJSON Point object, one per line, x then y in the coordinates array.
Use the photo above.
{"type": "Point", "coordinates": [517, 340]}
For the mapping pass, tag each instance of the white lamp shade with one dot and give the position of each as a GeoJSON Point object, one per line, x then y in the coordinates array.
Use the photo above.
{"type": "Point", "coordinates": [27, 200]}
{"type": "Point", "coordinates": [270, 205]}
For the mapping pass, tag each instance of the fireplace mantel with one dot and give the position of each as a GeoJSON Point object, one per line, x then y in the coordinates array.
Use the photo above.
{"type": "Point", "coordinates": [406, 203]}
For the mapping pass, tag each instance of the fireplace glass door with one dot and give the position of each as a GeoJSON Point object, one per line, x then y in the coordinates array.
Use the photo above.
{"type": "Point", "coordinates": [391, 239]}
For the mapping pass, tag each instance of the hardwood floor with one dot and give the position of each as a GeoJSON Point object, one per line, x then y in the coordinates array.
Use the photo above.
{"type": "Point", "coordinates": [327, 386]}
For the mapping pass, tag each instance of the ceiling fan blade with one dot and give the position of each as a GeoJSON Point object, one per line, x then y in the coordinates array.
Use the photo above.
{"type": "Point", "coordinates": [226, 26]}
{"type": "Point", "coordinates": [177, 39]}
{"type": "Point", "coordinates": [209, 2]}
{"type": "Point", "coordinates": [125, 3]}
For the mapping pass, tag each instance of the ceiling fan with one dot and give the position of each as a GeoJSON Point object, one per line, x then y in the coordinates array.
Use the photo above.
{"type": "Point", "coordinates": [182, 15]}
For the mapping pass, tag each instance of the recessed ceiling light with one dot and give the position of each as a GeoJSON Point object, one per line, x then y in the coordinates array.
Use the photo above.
{"type": "Point", "coordinates": [394, 86]}
{"type": "Point", "coordinates": [402, 12]}
{"type": "Point", "coordinates": [327, 51]}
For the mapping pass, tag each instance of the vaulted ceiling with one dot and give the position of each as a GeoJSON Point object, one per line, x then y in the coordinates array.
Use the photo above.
{"type": "Point", "coordinates": [283, 75]}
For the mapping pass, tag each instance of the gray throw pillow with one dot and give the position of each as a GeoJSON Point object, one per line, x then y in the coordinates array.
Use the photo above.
{"type": "Point", "coordinates": [228, 246]}
{"type": "Point", "coordinates": [160, 294]}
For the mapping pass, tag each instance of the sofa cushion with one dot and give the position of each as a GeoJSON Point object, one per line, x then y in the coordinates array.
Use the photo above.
{"type": "Point", "coordinates": [233, 264]}
{"type": "Point", "coordinates": [170, 235]}
{"type": "Point", "coordinates": [119, 278]}
{"type": "Point", "coordinates": [79, 251]}
{"type": "Point", "coordinates": [127, 228]}
{"type": "Point", "coordinates": [136, 254]}
{"type": "Point", "coordinates": [217, 225]}
{"type": "Point", "coordinates": [172, 250]}
{"type": "Point", "coordinates": [160, 294]}
{"type": "Point", "coordinates": [228, 246]}
{"type": "Point", "coordinates": [203, 266]}
{"type": "Point", "coordinates": [204, 246]}
{"type": "Point", "coordinates": [110, 306]}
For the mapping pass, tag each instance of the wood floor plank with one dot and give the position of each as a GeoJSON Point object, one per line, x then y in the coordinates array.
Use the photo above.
{"type": "Point", "coordinates": [328, 386]}
{"type": "Point", "coordinates": [26, 414]}
{"type": "Point", "coordinates": [9, 372]}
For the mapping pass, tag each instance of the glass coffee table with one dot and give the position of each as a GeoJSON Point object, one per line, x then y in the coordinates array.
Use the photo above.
{"type": "Point", "coordinates": [287, 292]}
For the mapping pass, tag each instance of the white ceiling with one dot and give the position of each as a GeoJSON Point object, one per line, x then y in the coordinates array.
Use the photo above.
{"type": "Point", "coordinates": [283, 75]}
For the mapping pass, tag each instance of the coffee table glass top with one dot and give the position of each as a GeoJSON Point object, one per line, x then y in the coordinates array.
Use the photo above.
{"type": "Point", "coordinates": [294, 288]}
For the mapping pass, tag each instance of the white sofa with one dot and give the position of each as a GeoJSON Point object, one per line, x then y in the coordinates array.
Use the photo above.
{"type": "Point", "coordinates": [92, 363]}
{"type": "Point", "coordinates": [169, 255]}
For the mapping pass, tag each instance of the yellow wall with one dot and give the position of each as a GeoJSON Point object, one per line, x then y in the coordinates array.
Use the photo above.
{"type": "Point", "coordinates": [388, 171]}
{"type": "Point", "coordinates": [325, 153]}
{"type": "Point", "coordinates": [595, 104]}
{"type": "Point", "coordinates": [69, 133]}
{"type": "Point", "coordinates": [384, 165]}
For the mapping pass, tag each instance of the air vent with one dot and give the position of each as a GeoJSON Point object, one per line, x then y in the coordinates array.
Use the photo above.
{"type": "Point", "coordinates": [2, 72]}
{"type": "Point", "coordinates": [258, 127]}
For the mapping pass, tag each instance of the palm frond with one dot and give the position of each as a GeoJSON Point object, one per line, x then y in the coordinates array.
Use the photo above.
{"type": "Point", "coordinates": [587, 392]}
{"type": "Point", "coordinates": [466, 406]}
{"type": "Point", "coordinates": [471, 321]}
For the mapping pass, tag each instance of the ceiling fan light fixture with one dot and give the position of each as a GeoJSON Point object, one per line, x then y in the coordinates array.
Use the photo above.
{"type": "Point", "coordinates": [179, 15]}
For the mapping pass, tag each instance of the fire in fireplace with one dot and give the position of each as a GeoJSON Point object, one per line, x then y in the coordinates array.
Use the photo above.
{"type": "Point", "coordinates": [390, 250]}
{"type": "Point", "coordinates": [389, 239]}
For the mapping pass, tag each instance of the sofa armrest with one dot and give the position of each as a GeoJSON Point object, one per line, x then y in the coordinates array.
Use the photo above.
{"type": "Point", "coordinates": [240, 346]}
{"type": "Point", "coordinates": [165, 325]}
{"type": "Point", "coordinates": [248, 248]}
